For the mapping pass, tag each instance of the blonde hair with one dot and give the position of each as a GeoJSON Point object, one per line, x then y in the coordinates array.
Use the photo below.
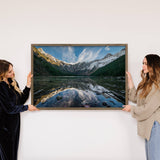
{"type": "Point", "coordinates": [4, 67]}
{"type": "Point", "coordinates": [150, 78]}
{"type": "Point", "coordinates": [14, 84]}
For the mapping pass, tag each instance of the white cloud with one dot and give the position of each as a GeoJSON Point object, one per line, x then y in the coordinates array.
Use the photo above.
{"type": "Point", "coordinates": [107, 48]}
{"type": "Point", "coordinates": [68, 55]}
{"type": "Point", "coordinates": [88, 55]}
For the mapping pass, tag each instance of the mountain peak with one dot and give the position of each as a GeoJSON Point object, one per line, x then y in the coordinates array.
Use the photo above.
{"type": "Point", "coordinates": [108, 55]}
{"type": "Point", "coordinates": [41, 50]}
{"type": "Point", "coordinates": [81, 68]}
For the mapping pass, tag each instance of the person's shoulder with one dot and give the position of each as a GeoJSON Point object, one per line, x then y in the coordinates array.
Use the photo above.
{"type": "Point", "coordinates": [155, 88]}
{"type": "Point", "coordinates": [3, 85]}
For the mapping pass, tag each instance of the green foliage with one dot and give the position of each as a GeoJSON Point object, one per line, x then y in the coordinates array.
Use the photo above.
{"type": "Point", "coordinates": [44, 68]}
{"type": "Point", "coordinates": [115, 68]}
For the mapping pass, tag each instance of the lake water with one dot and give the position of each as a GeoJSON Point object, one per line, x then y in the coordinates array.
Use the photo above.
{"type": "Point", "coordinates": [79, 91]}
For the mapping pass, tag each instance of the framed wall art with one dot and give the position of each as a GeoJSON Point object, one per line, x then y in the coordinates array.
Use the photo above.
{"type": "Point", "coordinates": [79, 76]}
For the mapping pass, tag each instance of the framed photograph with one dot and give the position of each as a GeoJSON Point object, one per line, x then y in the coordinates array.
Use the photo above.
{"type": "Point", "coordinates": [79, 76]}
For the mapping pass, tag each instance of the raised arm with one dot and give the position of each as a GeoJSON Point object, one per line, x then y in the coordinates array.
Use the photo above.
{"type": "Point", "coordinates": [25, 93]}
{"type": "Point", "coordinates": [8, 106]}
{"type": "Point", "coordinates": [131, 89]}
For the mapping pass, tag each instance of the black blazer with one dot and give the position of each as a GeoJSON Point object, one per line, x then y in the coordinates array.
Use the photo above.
{"type": "Point", "coordinates": [11, 104]}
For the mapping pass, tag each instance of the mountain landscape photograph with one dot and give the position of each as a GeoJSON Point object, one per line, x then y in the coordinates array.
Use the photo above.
{"type": "Point", "coordinates": [78, 76]}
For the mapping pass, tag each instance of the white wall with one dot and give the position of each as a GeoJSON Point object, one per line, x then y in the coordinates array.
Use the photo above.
{"type": "Point", "coordinates": [78, 135]}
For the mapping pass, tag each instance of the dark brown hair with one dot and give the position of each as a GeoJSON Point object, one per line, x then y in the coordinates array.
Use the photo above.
{"type": "Point", "coordinates": [152, 77]}
{"type": "Point", "coordinates": [4, 67]}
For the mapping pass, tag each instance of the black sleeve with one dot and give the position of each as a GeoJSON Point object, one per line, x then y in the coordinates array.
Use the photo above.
{"type": "Point", "coordinates": [8, 105]}
{"type": "Point", "coordinates": [24, 95]}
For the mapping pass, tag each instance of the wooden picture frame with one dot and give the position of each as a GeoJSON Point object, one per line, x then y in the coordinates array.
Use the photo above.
{"type": "Point", "coordinates": [79, 76]}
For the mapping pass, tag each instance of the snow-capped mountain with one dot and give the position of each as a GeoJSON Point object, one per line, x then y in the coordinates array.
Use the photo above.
{"type": "Point", "coordinates": [49, 58]}
{"type": "Point", "coordinates": [80, 68]}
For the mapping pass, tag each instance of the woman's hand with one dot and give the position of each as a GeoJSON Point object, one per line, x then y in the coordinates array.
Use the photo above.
{"type": "Point", "coordinates": [126, 108]}
{"type": "Point", "coordinates": [130, 81]}
{"type": "Point", "coordinates": [32, 108]}
{"type": "Point", "coordinates": [29, 80]}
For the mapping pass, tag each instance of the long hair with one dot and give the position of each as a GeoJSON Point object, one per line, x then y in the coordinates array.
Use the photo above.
{"type": "Point", "coordinates": [150, 78]}
{"type": "Point", "coordinates": [4, 67]}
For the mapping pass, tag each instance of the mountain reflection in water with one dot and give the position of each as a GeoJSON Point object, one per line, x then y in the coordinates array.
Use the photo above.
{"type": "Point", "coordinates": [79, 91]}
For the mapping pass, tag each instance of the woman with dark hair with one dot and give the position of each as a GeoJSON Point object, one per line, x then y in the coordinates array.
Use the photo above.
{"type": "Point", "coordinates": [12, 101]}
{"type": "Point", "coordinates": [147, 111]}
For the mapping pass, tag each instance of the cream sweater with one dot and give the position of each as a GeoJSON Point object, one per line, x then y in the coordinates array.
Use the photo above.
{"type": "Point", "coordinates": [147, 110]}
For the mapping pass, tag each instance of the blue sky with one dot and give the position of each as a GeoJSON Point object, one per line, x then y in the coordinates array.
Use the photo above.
{"type": "Point", "coordinates": [74, 54]}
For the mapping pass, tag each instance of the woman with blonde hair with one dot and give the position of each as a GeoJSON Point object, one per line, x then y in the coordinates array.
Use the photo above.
{"type": "Point", "coordinates": [12, 101]}
{"type": "Point", "coordinates": [147, 111]}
